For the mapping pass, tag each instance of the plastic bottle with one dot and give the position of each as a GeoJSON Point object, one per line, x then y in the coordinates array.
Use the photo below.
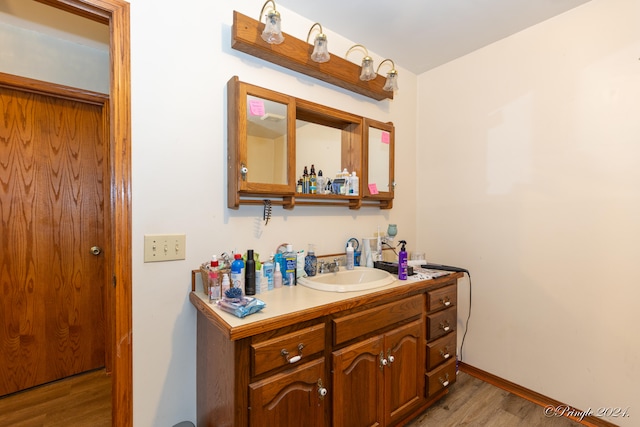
{"type": "Point", "coordinates": [277, 277]}
{"type": "Point", "coordinates": [354, 184]}
{"type": "Point", "coordinates": [313, 182]}
{"type": "Point", "coordinates": [402, 261]}
{"type": "Point", "coordinates": [321, 183]}
{"type": "Point", "coordinates": [350, 255]}
{"type": "Point", "coordinates": [311, 262]}
{"type": "Point", "coordinates": [291, 265]}
{"type": "Point", "coordinates": [267, 272]}
{"type": "Point", "coordinates": [305, 181]}
{"type": "Point", "coordinates": [215, 292]}
{"type": "Point", "coordinates": [250, 274]}
{"type": "Point", "coordinates": [226, 283]}
{"type": "Point", "coordinates": [237, 269]}
{"type": "Point", "coordinates": [345, 177]}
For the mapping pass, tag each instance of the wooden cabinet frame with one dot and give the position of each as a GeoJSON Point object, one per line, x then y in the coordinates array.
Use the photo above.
{"type": "Point", "coordinates": [353, 132]}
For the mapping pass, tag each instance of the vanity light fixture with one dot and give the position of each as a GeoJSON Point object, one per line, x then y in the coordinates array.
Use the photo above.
{"type": "Point", "coordinates": [272, 33]}
{"type": "Point", "coordinates": [392, 77]}
{"type": "Point", "coordinates": [366, 73]}
{"type": "Point", "coordinates": [320, 50]}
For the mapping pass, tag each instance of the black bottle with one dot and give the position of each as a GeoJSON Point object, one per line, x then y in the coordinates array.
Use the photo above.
{"type": "Point", "coordinates": [250, 274]}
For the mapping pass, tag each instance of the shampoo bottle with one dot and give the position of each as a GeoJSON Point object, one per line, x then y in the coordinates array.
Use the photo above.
{"type": "Point", "coordinates": [250, 274]}
{"type": "Point", "coordinates": [402, 261]}
{"type": "Point", "coordinates": [291, 266]}
{"type": "Point", "coordinates": [350, 255]}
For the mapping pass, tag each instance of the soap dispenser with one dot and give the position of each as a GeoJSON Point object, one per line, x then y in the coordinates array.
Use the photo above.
{"type": "Point", "coordinates": [402, 261]}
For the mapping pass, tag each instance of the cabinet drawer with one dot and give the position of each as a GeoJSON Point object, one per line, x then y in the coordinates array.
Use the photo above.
{"type": "Point", "coordinates": [441, 323]}
{"type": "Point", "coordinates": [441, 350]}
{"type": "Point", "coordinates": [438, 299]}
{"type": "Point", "coordinates": [364, 322]}
{"type": "Point", "coordinates": [284, 350]}
{"type": "Point", "coordinates": [441, 378]}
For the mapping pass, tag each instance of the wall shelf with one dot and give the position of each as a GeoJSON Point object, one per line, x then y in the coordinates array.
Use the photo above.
{"type": "Point", "coordinates": [294, 54]}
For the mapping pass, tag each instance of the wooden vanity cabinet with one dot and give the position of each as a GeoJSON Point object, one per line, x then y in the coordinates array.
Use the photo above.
{"type": "Point", "coordinates": [369, 361]}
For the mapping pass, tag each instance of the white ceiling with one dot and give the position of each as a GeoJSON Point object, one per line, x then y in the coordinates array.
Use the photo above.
{"type": "Point", "coordinates": [419, 35]}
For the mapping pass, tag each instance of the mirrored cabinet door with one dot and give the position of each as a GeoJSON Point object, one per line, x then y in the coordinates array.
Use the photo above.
{"type": "Point", "coordinates": [379, 144]}
{"type": "Point", "coordinates": [261, 142]}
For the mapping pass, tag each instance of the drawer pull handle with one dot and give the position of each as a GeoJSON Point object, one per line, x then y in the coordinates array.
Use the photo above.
{"type": "Point", "coordinates": [443, 354]}
{"type": "Point", "coordinates": [446, 301]}
{"type": "Point", "coordinates": [293, 359]}
{"type": "Point", "coordinates": [383, 362]}
{"type": "Point", "coordinates": [445, 326]}
{"type": "Point", "coordinates": [390, 357]}
{"type": "Point", "coordinates": [444, 382]}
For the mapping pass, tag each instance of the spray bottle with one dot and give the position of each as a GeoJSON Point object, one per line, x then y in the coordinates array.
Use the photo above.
{"type": "Point", "coordinates": [402, 261]}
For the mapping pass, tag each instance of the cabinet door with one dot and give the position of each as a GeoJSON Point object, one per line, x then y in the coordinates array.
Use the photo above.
{"type": "Point", "coordinates": [404, 373]}
{"type": "Point", "coordinates": [289, 399]}
{"type": "Point", "coordinates": [357, 384]}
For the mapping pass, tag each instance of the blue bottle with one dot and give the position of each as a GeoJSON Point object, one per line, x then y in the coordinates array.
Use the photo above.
{"type": "Point", "coordinates": [237, 272]}
{"type": "Point", "coordinates": [402, 262]}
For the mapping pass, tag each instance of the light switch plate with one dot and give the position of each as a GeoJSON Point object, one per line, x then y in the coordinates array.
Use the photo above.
{"type": "Point", "coordinates": [164, 247]}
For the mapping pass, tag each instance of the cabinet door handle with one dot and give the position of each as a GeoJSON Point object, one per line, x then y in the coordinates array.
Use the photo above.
{"type": "Point", "coordinates": [445, 326]}
{"type": "Point", "coordinates": [390, 357]}
{"type": "Point", "coordinates": [443, 354]}
{"type": "Point", "coordinates": [322, 392]}
{"type": "Point", "coordinates": [293, 359]}
{"type": "Point", "coordinates": [446, 301]}
{"type": "Point", "coordinates": [383, 362]}
{"type": "Point", "coordinates": [445, 381]}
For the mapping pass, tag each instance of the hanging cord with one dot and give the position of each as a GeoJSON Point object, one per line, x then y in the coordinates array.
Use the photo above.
{"type": "Point", "coordinates": [266, 214]}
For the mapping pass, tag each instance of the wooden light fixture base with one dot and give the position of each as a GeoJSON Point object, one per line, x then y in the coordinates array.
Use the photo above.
{"type": "Point", "coordinates": [294, 54]}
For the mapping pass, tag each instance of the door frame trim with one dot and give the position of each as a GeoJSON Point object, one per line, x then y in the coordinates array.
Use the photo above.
{"type": "Point", "coordinates": [116, 14]}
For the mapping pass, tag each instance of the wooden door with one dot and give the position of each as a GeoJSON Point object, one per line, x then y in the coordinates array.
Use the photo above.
{"type": "Point", "coordinates": [53, 168]}
{"type": "Point", "coordinates": [404, 373]}
{"type": "Point", "coordinates": [358, 384]}
{"type": "Point", "coordinates": [289, 399]}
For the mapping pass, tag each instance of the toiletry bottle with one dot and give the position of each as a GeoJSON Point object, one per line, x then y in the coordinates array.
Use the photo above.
{"type": "Point", "coordinates": [291, 264]}
{"type": "Point", "coordinates": [277, 277]}
{"type": "Point", "coordinates": [215, 292]}
{"type": "Point", "coordinates": [321, 183]}
{"type": "Point", "coordinates": [299, 186]}
{"type": "Point", "coordinates": [402, 261]}
{"type": "Point", "coordinates": [354, 184]}
{"type": "Point", "coordinates": [345, 186]}
{"type": "Point", "coordinates": [313, 182]}
{"type": "Point", "coordinates": [311, 262]}
{"type": "Point", "coordinates": [250, 274]}
{"type": "Point", "coordinates": [305, 181]}
{"type": "Point", "coordinates": [237, 267]}
{"type": "Point", "coordinates": [226, 283]}
{"type": "Point", "coordinates": [267, 272]}
{"type": "Point", "coordinates": [350, 255]}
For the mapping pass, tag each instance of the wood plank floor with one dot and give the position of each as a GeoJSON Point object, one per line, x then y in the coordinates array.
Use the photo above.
{"type": "Point", "coordinates": [85, 400]}
{"type": "Point", "coordinates": [81, 400]}
{"type": "Point", "coordinates": [473, 402]}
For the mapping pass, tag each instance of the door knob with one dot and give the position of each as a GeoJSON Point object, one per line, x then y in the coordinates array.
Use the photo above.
{"type": "Point", "coordinates": [96, 250]}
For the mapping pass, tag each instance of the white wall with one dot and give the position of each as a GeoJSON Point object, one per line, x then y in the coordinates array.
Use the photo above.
{"type": "Point", "coordinates": [532, 146]}
{"type": "Point", "coordinates": [181, 62]}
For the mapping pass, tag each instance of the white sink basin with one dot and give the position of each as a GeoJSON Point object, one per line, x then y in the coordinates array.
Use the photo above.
{"type": "Point", "coordinates": [358, 279]}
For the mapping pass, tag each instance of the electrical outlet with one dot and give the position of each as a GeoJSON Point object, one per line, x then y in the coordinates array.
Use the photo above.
{"type": "Point", "coordinates": [164, 247]}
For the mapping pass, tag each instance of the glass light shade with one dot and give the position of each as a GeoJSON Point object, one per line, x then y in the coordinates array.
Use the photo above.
{"type": "Point", "coordinates": [272, 33]}
{"type": "Point", "coordinates": [392, 82]}
{"type": "Point", "coordinates": [320, 49]}
{"type": "Point", "coordinates": [367, 72]}
{"type": "Point", "coordinates": [392, 230]}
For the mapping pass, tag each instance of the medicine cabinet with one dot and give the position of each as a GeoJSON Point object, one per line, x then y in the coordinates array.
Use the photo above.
{"type": "Point", "coordinates": [272, 137]}
{"type": "Point", "coordinates": [378, 172]}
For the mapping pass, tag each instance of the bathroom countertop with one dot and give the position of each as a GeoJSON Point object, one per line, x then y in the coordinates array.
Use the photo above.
{"type": "Point", "coordinates": [293, 304]}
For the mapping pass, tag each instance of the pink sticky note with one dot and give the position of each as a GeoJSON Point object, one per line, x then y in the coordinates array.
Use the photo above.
{"type": "Point", "coordinates": [256, 107]}
{"type": "Point", "coordinates": [373, 188]}
{"type": "Point", "coordinates": [385, 137]}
